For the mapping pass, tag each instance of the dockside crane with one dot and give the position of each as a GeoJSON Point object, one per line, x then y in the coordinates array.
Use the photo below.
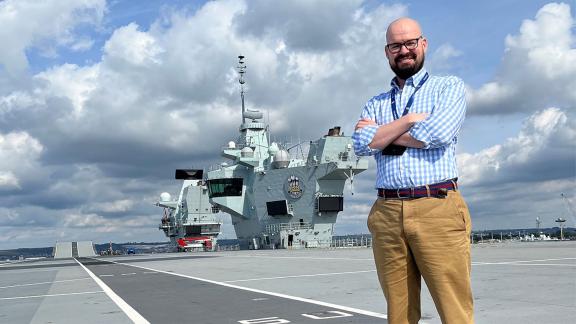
{"type": "Point", "coordinates": [570, 207]}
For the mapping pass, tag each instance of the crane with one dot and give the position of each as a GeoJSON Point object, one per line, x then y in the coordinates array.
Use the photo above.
{"type": "Point", "coordinates": [569, 206]}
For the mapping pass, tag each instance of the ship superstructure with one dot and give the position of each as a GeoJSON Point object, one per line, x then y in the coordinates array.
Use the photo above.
{"type": "Point", "coordinates": [276, 200]}
{"type": "Point", "coordinates": [190, 221]}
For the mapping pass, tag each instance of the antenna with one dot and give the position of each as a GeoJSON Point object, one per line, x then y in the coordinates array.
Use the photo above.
{"type": "Point", "coordinates": [241, 70]}
{"type": "Point", "coordinates": [561, 221]}
{"type": "Point", "coordinates": [268, 125]}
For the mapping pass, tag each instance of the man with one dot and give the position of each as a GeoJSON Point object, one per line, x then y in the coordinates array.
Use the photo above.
{"type": "Point", "coordinates": [420, 224]}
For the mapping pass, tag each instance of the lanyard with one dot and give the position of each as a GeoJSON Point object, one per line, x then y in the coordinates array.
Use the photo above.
{"type": "Point", "coordinates": [410, 100]}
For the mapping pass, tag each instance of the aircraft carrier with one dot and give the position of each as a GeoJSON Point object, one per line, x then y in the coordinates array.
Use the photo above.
{"type": "Point", "coordinates": [513, 283]}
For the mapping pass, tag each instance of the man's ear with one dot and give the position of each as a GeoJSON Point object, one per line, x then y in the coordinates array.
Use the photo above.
{"type": "Point", "coordinates": [424, 44]}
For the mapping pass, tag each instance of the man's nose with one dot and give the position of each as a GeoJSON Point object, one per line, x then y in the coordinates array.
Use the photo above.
{"type": "Point", "coordinates": [403, 49]}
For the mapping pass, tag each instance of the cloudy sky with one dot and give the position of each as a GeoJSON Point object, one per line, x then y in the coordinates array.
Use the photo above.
{"type": "Point", "coordinates": [101, 100]}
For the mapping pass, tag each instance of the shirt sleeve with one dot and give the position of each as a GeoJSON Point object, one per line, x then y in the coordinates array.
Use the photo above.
{"type": "Point", "coordinates": [442, 126]}
{"type": "Point", "coordinates": [362, 137]}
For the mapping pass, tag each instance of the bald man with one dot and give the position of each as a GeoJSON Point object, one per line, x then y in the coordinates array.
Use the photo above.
{"type": "Point", "coordinates": [420, 224]}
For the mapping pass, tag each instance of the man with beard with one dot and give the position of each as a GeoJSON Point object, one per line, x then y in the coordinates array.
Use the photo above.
{"type": "Point", "coordinates": [420, 224]}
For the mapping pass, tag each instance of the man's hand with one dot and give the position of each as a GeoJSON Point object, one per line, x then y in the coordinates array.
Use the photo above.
{"type": "Point", "coordinates": [413, 118]}
{"type": "Point", "coordinates": [363, 123]}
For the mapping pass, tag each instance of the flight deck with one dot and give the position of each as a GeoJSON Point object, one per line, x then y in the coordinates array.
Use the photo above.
{"type": "Point", "coordinates": [512, 283]}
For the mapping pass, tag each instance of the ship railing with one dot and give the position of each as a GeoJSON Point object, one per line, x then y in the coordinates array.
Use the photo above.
{"type": "Point", "coordinates": [210, 233]}
{"type": "Point", "coordinates": [275, 228]}
{"type": "Point", "coordinates": [228, 247]}
{"type": "Point", "coordinates": [350, 242]}
{"type": "Point", "coordinates": [197, 221]}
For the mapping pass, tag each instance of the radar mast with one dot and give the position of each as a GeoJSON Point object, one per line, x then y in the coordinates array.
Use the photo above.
{"type": "Point", "coordinates": [241, 70]}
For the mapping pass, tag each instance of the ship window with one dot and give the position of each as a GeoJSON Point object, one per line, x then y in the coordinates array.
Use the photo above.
{"type": "Point", "coordinates": [330, 204]}
{"type": "Point", "coordinates": [192, 230]}
{"type": "Point", "coordinates": [278, 207]}
{"type": "Point", "coordinates": [225, 187]}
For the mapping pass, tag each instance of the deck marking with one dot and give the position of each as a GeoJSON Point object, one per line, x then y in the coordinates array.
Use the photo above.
{"type": "Point", "coordinates": [531, 264]}
{"type": "Point", "coordinates": [307, 258]}
{"type": "Point", "coordinates": [108, 275]}
{"type": "Point", "coordinates": [299, 276]}
{"type": "Point", "coordinates": [305, 300]}
{"type": "Point", "coordinates": [521, 261]}
{"type": "Point", "coordinates": [128, 274]}
{"type": "Point", "coordinates": [28, 270]}
{"type": "Point", "coordinates": [317, 315]}
{"type": "Point", "coordinates": [43, 283]}
{"type": "Point", "coordinates": [124, 306]}
{"type": "Point", "coordinates": [53, 295]}
{"type": "Point", "coordinates": [265, 320]}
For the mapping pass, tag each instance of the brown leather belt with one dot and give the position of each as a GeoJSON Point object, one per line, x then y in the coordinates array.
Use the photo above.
{"type": "Point", "coordinates": [438, 190]}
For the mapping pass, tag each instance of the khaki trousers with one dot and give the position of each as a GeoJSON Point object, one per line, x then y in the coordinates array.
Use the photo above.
{"type": "Point", "coordinates": [428, 238]}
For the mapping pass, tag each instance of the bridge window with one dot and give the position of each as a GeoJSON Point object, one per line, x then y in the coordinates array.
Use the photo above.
{"type": "Point", "coordinates": [330, 204]}
{"type": "Point", "coordinates": [225, 187]}
{"type": "Point", "coordinates": [278, 207]}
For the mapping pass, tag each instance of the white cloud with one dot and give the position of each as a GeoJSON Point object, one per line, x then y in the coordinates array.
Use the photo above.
{"type": "Point", "coordinates": [86, 220]}
{"type": "Point", "coordinates": [443, 59]}
{"type": "Point", "coordinates": [19, 153]}
{"type": "Point", "coordinates": [166, 87]}
{"type": "Point", "coordinates": [117, 206]}
{"type": "Point", "coordinates": [545, 148]}
{"type": "Point", "coordinates": [132, 46]}
{"type": "Point", "coordinates": [56, 82]}
{"type": "Point", "coordinates": [8, 179]}
{"type": "Point", "coordinates": [29, 23]}
{"type": "Point", "coordinates": [537, 69]}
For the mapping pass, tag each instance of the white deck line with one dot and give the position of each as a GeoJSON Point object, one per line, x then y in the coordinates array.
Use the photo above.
{"type": "Point", "coordinates": [305, 300]}
{"type": "Point", "coordinates": [124, 306]}
{"type": "Point", "coordinates": [303, 258]}
{"type": "Point", "coordinates": [53, 295]}
{"type": "Point", "coordinates": [522, 261]}
{"type": "Point", "coordinates": [43, 283]}
{"type": "Point", "coordinates": [32, 270]}
{"type": "Point", "coordinates": [531, 264]}
{"type": "Point", "coordinates": [300, 276]}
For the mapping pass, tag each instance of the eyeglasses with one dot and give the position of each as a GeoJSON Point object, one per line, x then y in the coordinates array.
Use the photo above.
{"type": "Point", "coordinates": [409, 44]}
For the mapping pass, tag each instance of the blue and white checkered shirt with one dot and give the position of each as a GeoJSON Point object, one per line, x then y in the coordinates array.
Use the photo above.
{"type": "Point", "coordinates": [444, 99]}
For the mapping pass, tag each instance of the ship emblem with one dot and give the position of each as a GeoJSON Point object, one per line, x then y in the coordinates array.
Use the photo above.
{"type": "Point", "coordinates": [294, 187]}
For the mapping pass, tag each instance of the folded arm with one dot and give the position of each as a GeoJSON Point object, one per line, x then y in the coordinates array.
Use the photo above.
{"type": "Point", "coordinates": [445, 120]}
{"type": "Point", "coordinates": [370, 137]}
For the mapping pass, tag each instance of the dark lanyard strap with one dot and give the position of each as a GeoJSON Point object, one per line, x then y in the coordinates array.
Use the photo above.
{"type": "Point", "coordinates": [410, 100]}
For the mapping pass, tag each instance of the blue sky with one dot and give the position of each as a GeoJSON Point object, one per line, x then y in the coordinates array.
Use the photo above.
{"type": "Point", "coordinates": [101, 100]}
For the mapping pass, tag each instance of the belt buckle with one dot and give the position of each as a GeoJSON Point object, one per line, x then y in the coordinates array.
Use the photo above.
{"type": "Point", "coordinates": [401, 197]}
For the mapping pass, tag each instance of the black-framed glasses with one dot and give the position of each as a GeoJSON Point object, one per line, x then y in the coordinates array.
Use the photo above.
{"type": "Point", "coordinates": [409, 44]}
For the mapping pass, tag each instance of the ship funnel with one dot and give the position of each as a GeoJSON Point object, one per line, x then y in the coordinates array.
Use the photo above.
{"type": "Point", "coordinates": [334, 131]}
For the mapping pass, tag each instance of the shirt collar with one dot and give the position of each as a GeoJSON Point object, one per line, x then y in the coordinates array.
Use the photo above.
{"type": "Point", "coordinates": [412, 81]}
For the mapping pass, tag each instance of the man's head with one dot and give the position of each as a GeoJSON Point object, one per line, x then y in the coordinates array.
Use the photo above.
{"type": "Point", "coordinates": [406, 47]}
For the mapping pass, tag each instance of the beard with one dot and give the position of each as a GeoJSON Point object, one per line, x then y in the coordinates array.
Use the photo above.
{"type": "Point", "coordinates": [405, 72]}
